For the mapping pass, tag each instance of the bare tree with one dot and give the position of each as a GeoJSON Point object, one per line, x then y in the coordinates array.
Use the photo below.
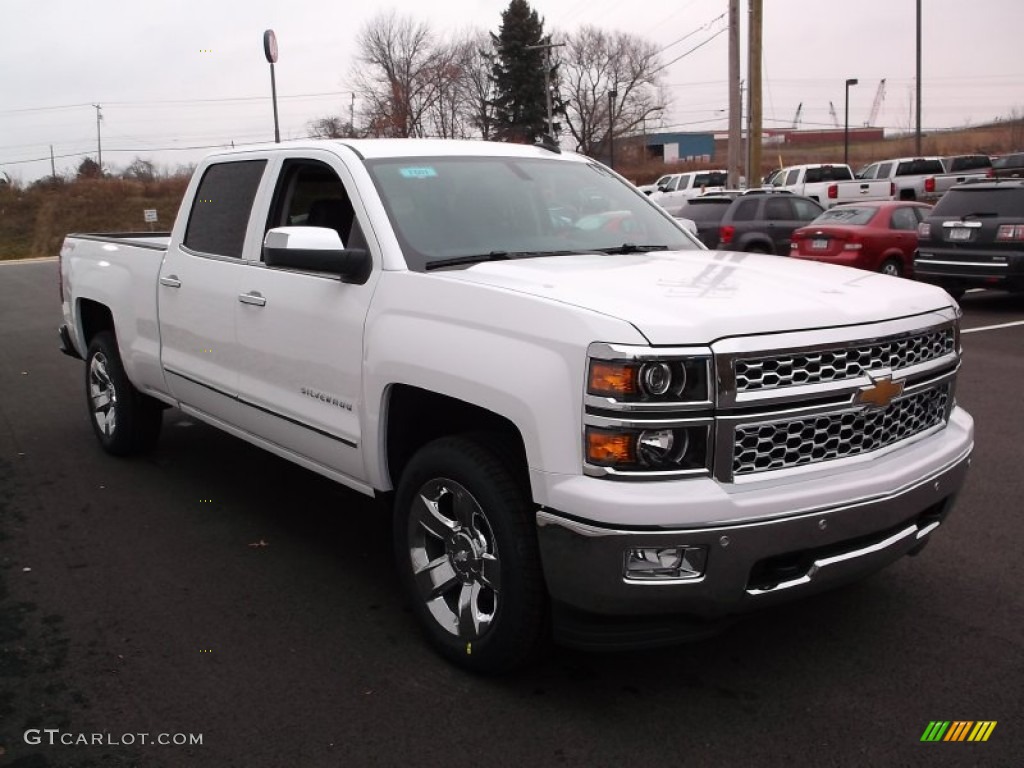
{"type": "Point", "coordinates": [395, 75]}
{"type": "Point", "coordinates": [594, 64]}
{"type": "Point", "coordinates": [330, 128]}
{"type": "Point", "coordinates": [477, 85]}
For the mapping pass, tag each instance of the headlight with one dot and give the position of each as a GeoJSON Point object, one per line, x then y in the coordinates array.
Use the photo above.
{"type": "Point", "coordinates": [657, 449]}
{"type": "Point", "coordinates": [649, 381]}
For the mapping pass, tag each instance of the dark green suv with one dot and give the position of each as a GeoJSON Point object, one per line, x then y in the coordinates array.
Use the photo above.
{"type": "Point", "coordinates": [974, 238]}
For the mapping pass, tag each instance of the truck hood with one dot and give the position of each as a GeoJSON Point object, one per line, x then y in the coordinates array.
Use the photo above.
{"type": "Point", "coordinates": [697, 297]}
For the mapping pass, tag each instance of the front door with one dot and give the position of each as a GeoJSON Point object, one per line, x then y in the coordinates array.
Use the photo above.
{"type": "Point", "coordinates": [300, 334]}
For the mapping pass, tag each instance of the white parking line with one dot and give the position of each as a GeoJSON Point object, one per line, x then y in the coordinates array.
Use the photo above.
{"type": "Point", "coordinates": [992, 327]}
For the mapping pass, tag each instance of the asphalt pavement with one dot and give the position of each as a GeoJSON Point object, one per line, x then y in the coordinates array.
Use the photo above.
{"type": "Point", "coordinates": [212, 590]}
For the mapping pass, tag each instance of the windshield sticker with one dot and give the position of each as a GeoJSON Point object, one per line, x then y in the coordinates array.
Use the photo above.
{"type": "Point", "coordinates": [417, 173]}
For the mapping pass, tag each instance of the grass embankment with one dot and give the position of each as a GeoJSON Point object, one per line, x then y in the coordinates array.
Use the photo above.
{"type": "Point", "coordinates": [33, 221]}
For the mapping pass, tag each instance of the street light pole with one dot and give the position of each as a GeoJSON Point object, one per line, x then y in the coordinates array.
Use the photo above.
{"type": "Point", "coordinates": [846, 122]}
{"type": "Point", "coordinates": [612, 94]}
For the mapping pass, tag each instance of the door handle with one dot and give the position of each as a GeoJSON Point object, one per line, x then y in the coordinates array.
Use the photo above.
{"type": "Point", "coordinates": [171, 281]}
{"type": "Point", "coordinates": [253, 297]}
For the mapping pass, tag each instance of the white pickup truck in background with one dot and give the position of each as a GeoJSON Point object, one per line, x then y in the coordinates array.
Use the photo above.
{"type": "Point", "coordinates": [586, 425]}
{"type": "Point", "coordinates": [829, 185]}
{"type": "Point", "coordinates": [681, 187]}
{"type": "Point", "coordinates": [958, 169]}
{"type": "Point", "coordinates": [907, 175]}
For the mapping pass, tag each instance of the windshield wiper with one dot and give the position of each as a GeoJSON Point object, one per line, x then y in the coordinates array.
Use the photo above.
{"type": "Point", "coordinates": [632, 248]}
{"type": "Point", "coordinates": [479, 258]}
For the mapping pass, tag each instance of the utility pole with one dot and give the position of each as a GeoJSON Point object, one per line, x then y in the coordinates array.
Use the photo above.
{"type": "Point", "coordinates": [546, 47]}
{"type": "Point", "coordinates": [917, 136]}
{"type": "Point", "coordinates": [99, 144]}
{"type": "Point", "coordinates": [53, 167]}
{"type": "Point", "coordinates": [352, 115]}
{"type": "Point", "coordinates": [612, 94]}
{"type": "Point", "coordinates": [754, 84]}
{"type": "Point", "coordinates": [735, 102]}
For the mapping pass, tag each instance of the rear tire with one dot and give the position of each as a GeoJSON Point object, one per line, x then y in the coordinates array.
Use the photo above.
{"type": "Point", "coordinates": [124, 420]}
{"type": "Point", "coordinates": [891, 267]}
{"type": "Point", "coordinates": [467, 553]}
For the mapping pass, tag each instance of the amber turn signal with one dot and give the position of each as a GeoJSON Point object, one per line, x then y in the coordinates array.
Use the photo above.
{"type": "Point", "coordinates": [611, 378]}
{"type": "Point", "coordinates": [606, 448]}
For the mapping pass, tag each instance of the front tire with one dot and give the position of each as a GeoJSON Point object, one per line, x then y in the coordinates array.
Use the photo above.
{"type": "Point", "coordinates": [467, 553]}
{"type": "Point", "coordinates": [124, 420]}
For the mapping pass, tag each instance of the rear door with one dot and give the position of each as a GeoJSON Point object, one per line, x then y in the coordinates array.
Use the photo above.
{"type": "Point", "coordinates": [198, 287]}
{"type": "Point", "coordinates": [301, 333]}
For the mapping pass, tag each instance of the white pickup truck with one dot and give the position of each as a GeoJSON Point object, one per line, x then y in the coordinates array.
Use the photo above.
{"type": "Point", "coordinates": [829, 185]}
{"type": "Point", "coordinates": [587, 425]}
{"type": "Point", "coordinates": [680, 187]}
{"type": "Point", "coordinates": [908, 175]}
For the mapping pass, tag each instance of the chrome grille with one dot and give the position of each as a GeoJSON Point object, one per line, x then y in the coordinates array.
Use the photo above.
{"type": "Point", "coordinates": [840, 363]}
{"type": "Point", "coordinates": [795, 442]}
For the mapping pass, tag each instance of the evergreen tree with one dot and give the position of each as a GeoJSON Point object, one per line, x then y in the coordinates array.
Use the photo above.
{"type": "Point", "coordinates": [519, 103]}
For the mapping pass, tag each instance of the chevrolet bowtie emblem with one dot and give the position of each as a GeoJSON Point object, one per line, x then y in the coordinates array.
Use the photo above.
{"type": "Point", "coordinates": [882, 391]}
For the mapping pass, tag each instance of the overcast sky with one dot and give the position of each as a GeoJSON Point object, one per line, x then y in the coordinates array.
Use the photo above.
{"type": "Point", "coordinates": [190, 73]}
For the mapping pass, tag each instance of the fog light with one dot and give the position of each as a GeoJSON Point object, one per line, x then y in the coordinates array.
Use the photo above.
{"type": "Point", "coordinates": [663, 563]}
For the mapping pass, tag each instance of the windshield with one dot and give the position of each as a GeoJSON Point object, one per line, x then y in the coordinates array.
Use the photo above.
{"type": "Point", "coordinates": [846, 215]}
{"type": "Point", "coordinates": [447, 208]}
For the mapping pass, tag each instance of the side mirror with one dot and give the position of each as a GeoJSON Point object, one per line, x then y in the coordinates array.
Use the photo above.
{"type": "Point", "coordinates": [316, 249]}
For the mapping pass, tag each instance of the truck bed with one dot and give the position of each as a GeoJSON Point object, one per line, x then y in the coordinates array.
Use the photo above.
{"type": "Point", "coordinates": [156, 240]}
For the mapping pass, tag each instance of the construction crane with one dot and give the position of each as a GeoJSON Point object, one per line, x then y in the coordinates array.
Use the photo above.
{"type": "Point", "coordinates": [832, 112]}
{"type": "Point", "coordinates": [877, 105]}
{"type": "Point", "coordinates": [796, 117]}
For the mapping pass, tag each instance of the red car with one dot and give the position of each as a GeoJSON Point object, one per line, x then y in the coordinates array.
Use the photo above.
{"type": "Point", "coordinates": [878, 236]}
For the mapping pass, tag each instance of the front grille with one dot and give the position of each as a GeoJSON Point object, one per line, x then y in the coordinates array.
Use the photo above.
{"type": "Point", "coordinates": [841, 363]}
{"type": "Point", "coordinates": [794, 442]}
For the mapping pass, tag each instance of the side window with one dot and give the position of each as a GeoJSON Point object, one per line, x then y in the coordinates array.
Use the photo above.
{"type": "Point", "coordinates": [884, 171]}
{"type": "Point", "coordinates": [777, 209]}
{"type": "Point", "coordinates": [746, 210]}
{"type": "Point", "coordinates": [793, 177]}
{"type": "Point", "coordinates": [309, 193]}
{"type": "Point", "coordinates": [220, 211]}
{"type": "Point", "coordinates": [871, 172]}
{"type": "Point", "coordinates": [682, 182]}
{"type": "Point", "coordinates": [903, 218]}
{"type": "Point", "coordinates": [805, 210]}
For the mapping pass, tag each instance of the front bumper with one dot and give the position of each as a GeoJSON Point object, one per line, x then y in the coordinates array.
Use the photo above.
{"type": "Point", "coordinates": [754, 563]}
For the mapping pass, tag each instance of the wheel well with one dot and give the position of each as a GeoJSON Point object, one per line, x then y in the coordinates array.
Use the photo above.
{"type": "Point", "coordinates": [95, 317]}
{"type": "Point", "coordinates": [415, 417]}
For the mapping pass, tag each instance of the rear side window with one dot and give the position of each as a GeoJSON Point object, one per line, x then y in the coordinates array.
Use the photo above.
{"type": "Point", "coordinates": [903, 218]}
{"type": "Point", "coordinates": [221, 208]}
{"type": "Point", "coordinates": [745, 210]}
{"type": "Point", "coordinates": [806, 210]}
{"type": "Point", "coordinates": [982, 203]}
{"type": "Point", "coordinates": [777, 209]}
{"type": "Point", "coordinates": [828, 173]}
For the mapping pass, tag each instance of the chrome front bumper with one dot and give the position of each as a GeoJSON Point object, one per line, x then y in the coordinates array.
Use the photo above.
{"type": "Point", "coordinates": [749, 565]}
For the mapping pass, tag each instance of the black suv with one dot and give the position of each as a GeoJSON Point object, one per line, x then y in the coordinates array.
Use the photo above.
{"type": "Point", "coordinates": [974, 238]}
{"type": "Point", "coordinates": [706, 213]}
{"type": "Point", "coordinates": [764, 223]}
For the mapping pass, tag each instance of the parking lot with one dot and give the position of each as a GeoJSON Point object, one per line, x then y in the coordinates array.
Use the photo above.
{"type": "Point", "coordinates": [214, 589]}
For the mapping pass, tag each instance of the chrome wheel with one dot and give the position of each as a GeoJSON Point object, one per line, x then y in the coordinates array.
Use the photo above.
{"type": "Point", "coordinates": [455, 566]}
{"type": "Point", "coordinates": [102, 395]}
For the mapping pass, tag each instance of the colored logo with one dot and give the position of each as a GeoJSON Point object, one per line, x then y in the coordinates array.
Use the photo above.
{"type": "Point", "coordinates": [958, 730]}
{"type": "Point", "coordinates": [882, 391]}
